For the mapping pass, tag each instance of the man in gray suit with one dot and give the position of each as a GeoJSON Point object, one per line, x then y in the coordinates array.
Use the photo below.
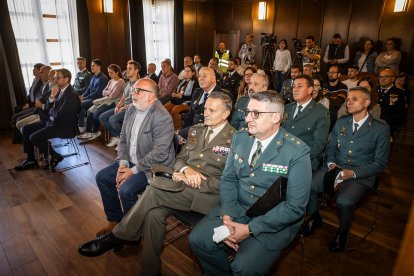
{"type": "Point", "coordinates": [199, 166]}
{"type": "Point", "coordinates": [258, 158]}
{"type": "Point", "coordinates": [359, 147]}
{"type": "Point", "coordinates": [146, 139]}
{"type": "Point", "coordinates": [307, 119]}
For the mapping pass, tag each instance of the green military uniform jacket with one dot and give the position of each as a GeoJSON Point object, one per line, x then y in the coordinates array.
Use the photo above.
{"type": "Point", "coordinates": [365, 152]}
{"type": "Point", "coordinates": [241, 186]}
{"type": "Point", "coordinates": [209, 160]}
{"type": "Point", "coordinates": [311, 126]}
{"type": "Point", "coordinates": [237, 118]}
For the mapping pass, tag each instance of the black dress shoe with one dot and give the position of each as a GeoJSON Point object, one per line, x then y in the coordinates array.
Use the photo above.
{"type": "Point", "coordinates": [311, 223]}
{"type": "Point", "coordinates": [101, 245]}
{"type": "Point", "coordinates": [26, 165]}
{"type": "Point", "coordinates": [339, 242]}
{"type": "Point", "coordinates": [55, 161]}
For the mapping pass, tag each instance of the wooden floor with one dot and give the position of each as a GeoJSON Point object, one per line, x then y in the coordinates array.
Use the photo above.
{"type": "Point", "coordinates": [45, 216]}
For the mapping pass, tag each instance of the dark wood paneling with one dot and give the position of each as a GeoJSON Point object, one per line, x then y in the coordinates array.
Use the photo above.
{"type": "Point", "coordinates": [109, 33]}
{"type": "Point", "coordinates": [311, 23]}
{"type": "Point", "coordinates": [242, 12]}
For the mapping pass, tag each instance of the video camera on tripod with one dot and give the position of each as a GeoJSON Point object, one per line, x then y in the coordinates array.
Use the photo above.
{"type": "Point", "coordinates": [268, 39]}
{"type": "Point", "coordinates": [298, 44]}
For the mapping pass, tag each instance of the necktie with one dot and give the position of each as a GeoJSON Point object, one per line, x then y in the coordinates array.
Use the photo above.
{"type": "Point", "coordinates": [207, 140]}
{"type": "Point", "coordinates": [203, 99]}
{"type": "Point", "coordinates": [299, 110]}
{"type": "Point", "coordinates": [256, 154]}
{"type": "Point", "coordinates": [355, 128]}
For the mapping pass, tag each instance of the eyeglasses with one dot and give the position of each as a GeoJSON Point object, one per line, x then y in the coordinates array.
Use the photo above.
{"type": "Point", "coordinates": [56, 78]}
{"type": "Point", "coordinates": [385, 77]}
{"type": "Point", "coordinates": [137, 90]}
{"type": "Point", "coordinates": [331, 73]}
{"type": "Point", "coordinates": [255, 114]}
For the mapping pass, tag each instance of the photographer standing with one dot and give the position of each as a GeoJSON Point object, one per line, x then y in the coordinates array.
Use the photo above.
{"type": "Point", "coordinates": [312, 54]}
{"type": "Point", "coordinates": [247, 51]}
{"type": "Point", "coordinates": [282, 64]}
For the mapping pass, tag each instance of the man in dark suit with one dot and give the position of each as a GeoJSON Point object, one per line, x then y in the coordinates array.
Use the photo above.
{"type": "Point", "coordinates": [94, 91]}
{"type": "Point", "coordinates": [392, 100]}
{"type": "Point", "coordinates": [199, 165]}
{"type": "Point", "coordinates": [359, 146]}
{"type": "Point", "coordinates": [40, 72]}
{"type": "Point", "coordinates": [230, 81]}
{"type": "Point", "coordinates": [62, 122]}
{"type": "Point", "coordinates": [207, 82]}
{"type": "Point", "coordinates": [151, 68]}
{"type": "Point", "coordinates": [307, 119]}
{"type": "Point", "coordinates": [258, 157]}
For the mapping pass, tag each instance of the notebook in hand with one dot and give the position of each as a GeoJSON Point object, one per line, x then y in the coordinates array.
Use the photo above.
{"type": "Point", "coordinates": [271, 198]}
{"type": "Point", "coordinates": [329, 182]}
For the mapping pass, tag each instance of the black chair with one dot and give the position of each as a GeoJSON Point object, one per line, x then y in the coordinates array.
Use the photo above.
{"type": "Point", "coordinates": [189, 220]}
{"type": "Point", "coordinates": [70, 141]}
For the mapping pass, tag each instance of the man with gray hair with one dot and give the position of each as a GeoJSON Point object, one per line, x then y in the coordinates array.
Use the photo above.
{"type": "Point", "coordinates": [196, 174]}
{"type": "Point", "coordinates": [258, 83]}
{"type": "Point", "coordinates": [258, 157]}
{"type": "Point", "coordinates": [146, 138]}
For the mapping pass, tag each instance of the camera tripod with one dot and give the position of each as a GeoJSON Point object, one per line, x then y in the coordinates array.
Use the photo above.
{"type": "Point", "coordinates": [268, 51]}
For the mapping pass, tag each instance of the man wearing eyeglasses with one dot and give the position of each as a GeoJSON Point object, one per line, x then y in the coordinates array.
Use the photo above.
{"type": "Point", "coordinates": [258, 158]}
{"type": "Point", "coordinates": [146, 138]}
{"type": "Point", "coordinates": [307, 119]}
{"type": "Point", "coordinates": [336, 93]}
{"type": "Point", "coordinates": [197, 173]}
{"type": "Point", "coordinates": [392, 100]}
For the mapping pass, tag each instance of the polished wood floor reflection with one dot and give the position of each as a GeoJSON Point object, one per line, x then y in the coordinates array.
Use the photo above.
{"type": "Point", "coordinates": [45, 216]}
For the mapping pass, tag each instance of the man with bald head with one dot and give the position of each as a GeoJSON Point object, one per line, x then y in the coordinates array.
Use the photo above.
{"type": "Point", "coordinates": [392, 100]}
{"type": "Point", "coordinates": [258, 83]}
{"type": "Point", "coordinates": [207, 82]}
{"type": "Point", "coordinates": [198, 167]}
{"type": "Point", "coordinates": [146, 138]}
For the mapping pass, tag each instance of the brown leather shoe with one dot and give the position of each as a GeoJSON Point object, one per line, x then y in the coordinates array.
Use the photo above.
{"type": "Point", "coordinates": [107, 229]}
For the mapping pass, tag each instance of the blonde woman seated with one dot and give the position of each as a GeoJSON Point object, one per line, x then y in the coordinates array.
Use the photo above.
{"type": "Point", "coordinates": [182, 96]}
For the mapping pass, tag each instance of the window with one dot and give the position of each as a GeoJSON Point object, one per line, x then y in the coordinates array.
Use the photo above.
{"type": "Point", "coordinates": [46, 32]}
{"type": "Point", "coordinates": [159, 30]}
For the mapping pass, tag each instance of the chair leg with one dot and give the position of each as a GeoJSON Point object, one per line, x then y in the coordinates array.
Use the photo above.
{"type": "Point", "coordinates": [374, 225]}
{"type": "Point", "coordinates": [302, 253]}
{"type": "Point", "coordinates": [76, 152]}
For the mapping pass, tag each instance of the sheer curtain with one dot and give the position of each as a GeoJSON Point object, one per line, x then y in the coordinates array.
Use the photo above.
{"type": "Point", "coordinates": [159, 30]}
{"type": "Point", "coordinates": [26, 19]}
{"type": "Point", "coordinates": [49, 40]}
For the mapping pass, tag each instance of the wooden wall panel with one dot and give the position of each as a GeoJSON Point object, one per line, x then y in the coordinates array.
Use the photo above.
{"type": "Point", "coordinates": [311, 19]}
{"type": "Point", "coordinates": [109, 33]}
{"type": "Point", "coordinates": [288, 19]}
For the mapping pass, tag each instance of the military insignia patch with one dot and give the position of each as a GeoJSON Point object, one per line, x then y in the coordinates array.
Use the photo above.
{"type": "Point", "coordinates": [342, 131]}
{"type": "Point", "coordinates": [275, 168]}
{"type": "Point", "coordinates": [193, 137]}
{"type": "Point", "coordinates": [285, 117]}
{"type": "Point", "coordinates": [220, 150]}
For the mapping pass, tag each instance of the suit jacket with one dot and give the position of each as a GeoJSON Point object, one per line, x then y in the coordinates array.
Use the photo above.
{"type": "Point", "coordinates": [63, 112]}
{"type": "Point", "coordinates": [241, 186]}
{"type": "Point", "coordinates": [35, 91]}
{"type": "Point", "coordinates": [365, 152]}
{"type": "Point", "coordinates": [155, 138]}
{"type": "Point", "coordinates": [392, 106]}
{"type": "Point", "coordinates": [209, 160]}
{"type": "Point", "coordinates": [196, 113]}
{"type": "Point", "coordinates": [311, 126]}
{"type": "Point", "coordinates": [231, 85]}
{"type": "Point", "coordinates": [237, 118]}
{"type": "Point", "coordinates": [96, 87]}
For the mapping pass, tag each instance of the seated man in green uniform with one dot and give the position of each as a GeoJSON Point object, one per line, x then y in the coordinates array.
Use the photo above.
{"type": "Point", "coordinates": [258, 83]}
{"type": "Point", "coordinates": [199, 165]}
{"type": "Point", "coordinates": [259, 156]}
{"type": "Point", "coordinates": [359, 147]}
{"type": "Point", "coordinates": [307, 119]}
